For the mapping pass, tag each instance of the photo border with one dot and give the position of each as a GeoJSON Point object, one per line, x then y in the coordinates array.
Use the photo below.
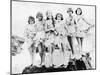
{"type": "Point", "coordinates": [59, 4]}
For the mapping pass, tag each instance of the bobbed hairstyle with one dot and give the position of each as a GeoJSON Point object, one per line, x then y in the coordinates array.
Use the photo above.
{"type": "Point", "coordinates": [31, 18]}
{"type": "Point", "coordinates": [77, 10]}
{"type": "Point", "coordinates": [39, 14]}
{"type": "Point", "coordinates": [60, 15]}
{"type": "Point", "coordinates": [69, 10]}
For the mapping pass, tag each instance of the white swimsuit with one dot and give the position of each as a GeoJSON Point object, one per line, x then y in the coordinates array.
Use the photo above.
{"type": "Point", "coordinates": [59, 26]}
{"type": "Point", "coordinates": [81, 27]}
{"type": "Point", "coordinates": [70, 25]}
{"type": "Point", "coordinates": [40, 31]}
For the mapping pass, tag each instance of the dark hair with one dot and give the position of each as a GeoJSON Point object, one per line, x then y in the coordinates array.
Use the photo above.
{"type": "Point", "coordinates": [39, 14]}
{"type": "Point", "coordinates": [60, 15]}
{"type": "Point", "coordinates": [70, 10]}
{"type": "Point", "coordinates": [80, 10]}
{"type": "Point", "coordinates": [52, 20]}
{"type": "Point", "coordinates": [31, 18]}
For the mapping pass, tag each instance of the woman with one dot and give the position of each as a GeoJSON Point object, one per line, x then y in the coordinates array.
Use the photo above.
{"type": "Point", "coordinates": [49, 49]}
{"type": "Point", "coordinates": [49, 23]}
{"type": "Point", "coordinates": [66, 48]}
{"type": "Point", "coordinates": [49, 30]}
{"type": "Point", "coordinates": [40, 36]}
{"type": "Point", "coordinates": [59, 24]}
{"type": "Point", "coordinates": [58, 55]}
{"type": "Point", "coordinates": [82, 27]}
{"type": "Point", "coordinates": [85, 35]}
{"type": "Point", "coordinates": [25, 58]}
{"type": "Point", "coordinates": [70, 25]}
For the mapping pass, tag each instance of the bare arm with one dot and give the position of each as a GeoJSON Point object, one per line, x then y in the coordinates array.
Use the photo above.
{"type": "Point", "coordinates": [86, 21]}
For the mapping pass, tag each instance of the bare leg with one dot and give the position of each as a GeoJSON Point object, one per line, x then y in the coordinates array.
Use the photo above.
{"type": "Point", "coordinates": [79, 43]}
{"type": "Point", "coordinates": [51, 51]}
{"type": "Point", "coordinates": [70, 43]}
{"type": "Point", "coordinates": [41, 48]}
{"type": "Point", "coordinates": [31, 56]}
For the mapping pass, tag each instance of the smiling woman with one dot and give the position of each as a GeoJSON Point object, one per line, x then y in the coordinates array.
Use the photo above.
{"type": "Point", "coordinates": [48, 37]}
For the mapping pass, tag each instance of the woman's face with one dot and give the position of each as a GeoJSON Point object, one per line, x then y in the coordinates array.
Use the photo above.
{"type": "Point", "coordinates": [59, 17]}
{"type": "Point", "coordinates": [79, 11]}
{"type": "Point", "coordinates": [39, 18]}
{"type": "Point", "coordinates": [32, 21]}
{"type": "Point", "coordinates": [70, 13]}
{"type": "Point", "coordinates": [49, 15]}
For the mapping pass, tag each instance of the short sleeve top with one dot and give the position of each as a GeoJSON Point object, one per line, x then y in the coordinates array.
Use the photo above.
{"type": "Point", "coordinates": [70, 22]}
{"type": "Point", "coordinates": [49, 24]}
{"type": "Point", "coordinates": [30, 31]}
{"type": "Point", "coordinates": [40, 25]}
{"type": "Point", "coordinates": [60, 27]}
{"type": "Point", "coordinates": [81, 24]}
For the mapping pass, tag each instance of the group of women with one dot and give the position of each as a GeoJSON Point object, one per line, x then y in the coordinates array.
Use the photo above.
{"type": "Point", "coordinates": [54, 41]}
